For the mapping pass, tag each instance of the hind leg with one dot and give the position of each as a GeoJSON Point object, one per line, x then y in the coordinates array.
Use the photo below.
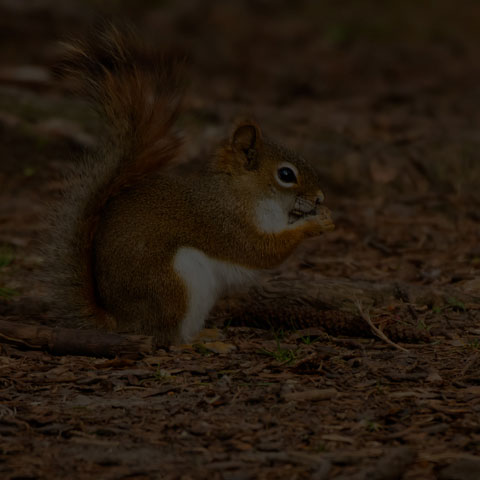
{"type": "Point", "coordinates": [151, 306]}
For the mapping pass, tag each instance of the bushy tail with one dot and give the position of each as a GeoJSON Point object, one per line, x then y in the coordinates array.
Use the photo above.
{"type": "Point", "coordinates": [138, 92]}
{"type": "Point", "coordinates": [137, 89]}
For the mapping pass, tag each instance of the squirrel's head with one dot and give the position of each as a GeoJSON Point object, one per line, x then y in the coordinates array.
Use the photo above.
{"type": "Point", "coordinates": [284, 187]}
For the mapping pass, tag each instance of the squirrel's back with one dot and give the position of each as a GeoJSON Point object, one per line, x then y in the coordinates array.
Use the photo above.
{"type": "Point", "coordinates": [137, 92]}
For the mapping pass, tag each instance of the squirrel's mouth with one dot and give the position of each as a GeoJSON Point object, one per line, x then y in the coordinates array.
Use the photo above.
{"type": "Point", "coordinates": [304, 208]}
{"type": "Point", "coordinates": [295, 215]}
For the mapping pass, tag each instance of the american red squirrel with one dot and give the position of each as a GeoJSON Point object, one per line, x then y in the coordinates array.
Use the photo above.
{"type": "Point", "coordinates": [138, 248]}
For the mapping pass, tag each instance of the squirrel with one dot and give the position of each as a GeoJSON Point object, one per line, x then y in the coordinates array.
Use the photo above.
{"type": "Point", "coordinates": [138, 248]}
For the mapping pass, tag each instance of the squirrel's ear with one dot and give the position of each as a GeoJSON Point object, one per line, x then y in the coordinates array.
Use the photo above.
{"type": "Point", "coordinates": [247, 139]}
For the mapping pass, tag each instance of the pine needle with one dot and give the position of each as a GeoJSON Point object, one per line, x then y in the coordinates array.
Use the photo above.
{"type": "Point", "coordinates": [376, 330]}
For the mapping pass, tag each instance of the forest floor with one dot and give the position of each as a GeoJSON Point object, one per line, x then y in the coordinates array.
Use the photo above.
{"type": "Point", "coordinates": [386, 102]}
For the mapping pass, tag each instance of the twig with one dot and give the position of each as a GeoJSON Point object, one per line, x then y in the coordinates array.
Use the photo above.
{"type": "Point", "coordinates": [66, 341]}
{"type": "Point", "coordinates": [472, 359]}
{"type": "Point", "coordinates": [375, 330]}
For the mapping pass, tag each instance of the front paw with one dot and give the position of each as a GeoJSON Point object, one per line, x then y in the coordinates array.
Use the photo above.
{"type": "Point", "coordinates": [319, 223]}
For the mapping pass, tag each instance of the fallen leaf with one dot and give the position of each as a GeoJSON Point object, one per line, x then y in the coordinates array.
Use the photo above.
{"type": "Point", "coordinates": [434, 377]}
{"type": "Point", "coordinates": [25, 74]}
{"type": "Point", "coordinates": [382, 172]}
{"type": "Point", "coordinates": [209, 334]}
{"type": "Point", "coordinates": [311, 395]}
{"type": "Point", "coordinates": [338, 438]}
{"type": "Point", "coordinates": [220, 347]}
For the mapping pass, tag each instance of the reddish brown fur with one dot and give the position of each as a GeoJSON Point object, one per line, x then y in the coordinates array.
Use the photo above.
{"type": "Point", "coordinates": [138, 92]}
{"type": "Point", "coordinates": [124, 219]}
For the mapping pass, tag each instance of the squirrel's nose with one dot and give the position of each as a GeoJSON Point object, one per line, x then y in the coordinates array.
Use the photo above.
{"type": "Point", "coordinates": [320, 198]}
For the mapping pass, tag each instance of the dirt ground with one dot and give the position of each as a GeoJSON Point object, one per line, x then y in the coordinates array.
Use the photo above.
{"type": "Point", "coordinates": [385, 98]}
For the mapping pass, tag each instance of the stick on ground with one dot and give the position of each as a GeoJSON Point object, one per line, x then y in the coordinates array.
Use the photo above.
{"type": "Point", "coordinates": [66, 341]}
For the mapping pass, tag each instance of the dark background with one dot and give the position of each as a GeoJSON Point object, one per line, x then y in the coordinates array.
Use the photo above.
{"type": "Point", "coordinates": [384, 98]}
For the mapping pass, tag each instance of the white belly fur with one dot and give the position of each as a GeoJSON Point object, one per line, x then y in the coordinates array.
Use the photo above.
{"type": "Point", "coordinates": [206, 280]}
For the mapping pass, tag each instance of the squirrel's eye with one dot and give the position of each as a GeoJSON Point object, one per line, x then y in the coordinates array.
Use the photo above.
{"type": "Point", "coordinates": [286, 175]}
